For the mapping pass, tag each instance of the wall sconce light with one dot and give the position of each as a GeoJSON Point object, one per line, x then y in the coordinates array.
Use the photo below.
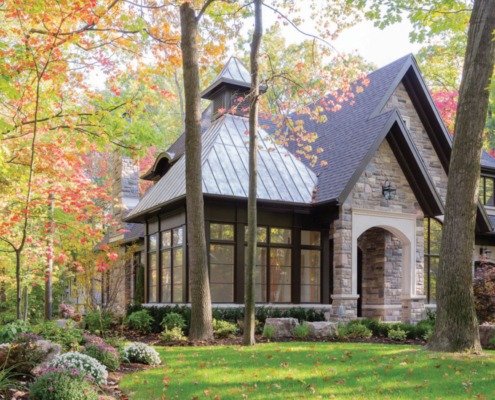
{"type": "Point", "coordinates": [388, 190]}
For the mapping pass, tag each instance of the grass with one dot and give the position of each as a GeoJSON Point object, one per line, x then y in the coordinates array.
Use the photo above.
{"type": "Point", "coordinates": [313, 371]}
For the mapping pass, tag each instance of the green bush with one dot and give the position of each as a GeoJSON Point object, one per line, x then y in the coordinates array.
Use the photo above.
{"type": "Point", "coordinates": [354, 330]}
{"type": "Point", "coordinates": [397, 334]}
{"type": "Point", "coordinates": [301, 331]}
{"type": "Point", "coordinates": [268, 332]}
{"type": "Point", "coordinates": [173, 320]}
{"type": "Point", "coordinates": [10, 331]}
{"type": "Point", "coordinates": [140, 321]}
{"type": "Point", "coordinates": [68, 336]}
{"type": "Point", "coordinates": [224, 329]}
{"type": "Point", "coordinates": [158, 313]}
{"type": "Point", "coordinates": [116, 341]}
{"type": "Point", "coordinates": [174, 334]}
{"type": "Point", "coordinates": [106, 355]}
{"type": "Point", "coordinates": [98, 321]}
{"type": "Point", "coordinates": [378, 329]}
{"type": "Point", "coordinates": [424, 329]}
{"type": "Point", "coordinates": [61, 384]}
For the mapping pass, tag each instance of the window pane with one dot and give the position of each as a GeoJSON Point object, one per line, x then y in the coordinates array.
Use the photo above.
{"type": "Point", "coordinates": [280, 275]}
{"type": "Point", "coordinates": [489, 192]}
{"type": "Point", "coordinates": [152, 242]}
{"type": "Point", "coordinates": [260, 277]}
{"type": "Point", "coordinates": [178, 236]}
{"type": "Point", "coordinates": [222, 272]}
{"type": "Point", "coordinates": [310, 276]}
{"type": "Point", "coordinates": [166, 239]}
{"type": "Point", "coordinates": [433, 278]}
{"type": "Point", "coordinates": [435, 236]}
{"type": "Point", "coordinates": [260, 235]}
{"type": "Point", "coordinates": [482, 190]}
{"type": "Point", "coordinates": [221, 232]}
{"type": "Point", "coordinates": [166, 276]}
{"type": "Point", "coordinates": [280, 235]}
{"type": "Point", "coordinates": [152, 278]}
{"type": "Point", "coordinates": [310, 238]}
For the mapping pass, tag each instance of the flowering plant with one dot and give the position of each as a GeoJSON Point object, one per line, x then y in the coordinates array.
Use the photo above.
{"type": "Point", "coordinates": [142, 353]}
{"type": "Point", "coordinates": [65, 310]}
{"type": "Point", "coordinates": [62, 384]}
{"type": "Point", "coordinates": [89, 367]}
{"type": "Point", "coordinates": [107, 355]}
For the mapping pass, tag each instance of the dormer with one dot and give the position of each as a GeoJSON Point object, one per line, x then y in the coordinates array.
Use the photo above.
{"type": "Point", "coordinates": [229, 90]}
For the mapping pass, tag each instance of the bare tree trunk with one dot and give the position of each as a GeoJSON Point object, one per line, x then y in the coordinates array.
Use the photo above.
{"type": "Point", "coordinates": [181, 100]}
{"type": "Point", "coordinates": [457, 326]}
{"type": "Point", "coordinates": [18, 283]}
{"type": "Point", "coordinates": [249, 292]}
{"type": "Point", "coordinates": [201, 319]}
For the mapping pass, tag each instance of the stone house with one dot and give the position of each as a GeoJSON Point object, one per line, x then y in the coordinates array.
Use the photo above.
{"type": "Point", "coordinates": [358, 236]}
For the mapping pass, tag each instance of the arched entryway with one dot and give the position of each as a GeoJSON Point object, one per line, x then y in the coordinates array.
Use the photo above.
{"type": "Point", "coordinates": [384, 277]}
{"type": "Point", "coordinates": [379, 275]}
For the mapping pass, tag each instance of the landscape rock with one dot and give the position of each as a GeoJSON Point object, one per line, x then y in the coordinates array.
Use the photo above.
{"type": "Point", "coordinates": [283, 327]}
{"type": "Point", "coordinates": [50, 350]}
{"type": "Point", "coordinates": [321, 329]}
{"type": "Point", "coordinates": [487, 334]}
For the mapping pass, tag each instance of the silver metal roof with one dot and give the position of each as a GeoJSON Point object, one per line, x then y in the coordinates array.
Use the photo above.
{"type": "Point", "coordinates": [281, 176]}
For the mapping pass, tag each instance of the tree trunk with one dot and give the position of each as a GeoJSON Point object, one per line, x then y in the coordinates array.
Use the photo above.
{"type": "Point", "coordinates": [18, 283]}
{"type": "Point", "coordinates": [249, 293]}
{"type": "Point", "coordinates": [201, 320]}
{"type": "Point", "coordinates": [456, 325]}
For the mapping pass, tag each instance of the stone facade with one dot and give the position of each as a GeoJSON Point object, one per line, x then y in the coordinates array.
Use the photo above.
{"type": "Point", "coordinates": [384, 250]}
{"type": "Point", "coordinates": [400, 100]}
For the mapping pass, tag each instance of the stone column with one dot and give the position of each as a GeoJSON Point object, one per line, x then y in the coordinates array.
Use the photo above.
{"type": "Point", "coordinates": [343, 298]}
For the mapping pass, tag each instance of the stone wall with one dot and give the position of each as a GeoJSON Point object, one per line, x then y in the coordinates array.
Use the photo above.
{"type": "Point", "coordinates": [367, 195]}
{"type": "Point", "coordinates": [400, 100]}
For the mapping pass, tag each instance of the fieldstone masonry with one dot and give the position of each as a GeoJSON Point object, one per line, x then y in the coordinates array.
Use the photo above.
{"type": "Point", "coordinates": [367, 195]}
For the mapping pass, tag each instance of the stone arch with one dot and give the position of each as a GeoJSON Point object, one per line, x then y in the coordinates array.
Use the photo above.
{"type": "Point", "coordinates": [402, 226]}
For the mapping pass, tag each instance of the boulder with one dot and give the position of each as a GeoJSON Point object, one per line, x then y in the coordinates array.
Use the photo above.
{"type": "Point", "coordinates": [50, 350]}
{"type": "Point", "coordinates": [321, 329]}
{"type": "Point", "coordinates": [487, 334]}
{"type": "Point", "coordinates": [283, 327]}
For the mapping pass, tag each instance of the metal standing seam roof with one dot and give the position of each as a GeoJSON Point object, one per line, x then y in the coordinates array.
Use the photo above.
{"type": "Point", "coordinates": [487, 160]}
{"type": "Point", "coordinates": [281, 177]}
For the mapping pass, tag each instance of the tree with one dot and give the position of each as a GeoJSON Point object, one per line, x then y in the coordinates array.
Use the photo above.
{"type": "Point", "coordinates": [456, 326]}
{"type": "Point", "coordinates": [249, 293]}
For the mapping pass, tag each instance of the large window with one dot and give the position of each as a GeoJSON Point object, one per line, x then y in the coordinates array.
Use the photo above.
{"type": "Point", "coordinates": [486, 192]}
{"type": "Point", "coordinates": [433, 237]}
{"type": "Point", "coordinates": [310, 266]}
{"type": "Point", "coordinates": [273, 274]}
{"type": "Point", "coordinates": [222, 256]}
{"type": "Point", "coordinates": [152, 268]}
{"type": "Point", "coordinates": [173, 268]}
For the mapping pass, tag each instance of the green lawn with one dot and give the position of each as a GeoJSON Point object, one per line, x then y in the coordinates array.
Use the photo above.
{"type": "Point", "coordinates": [313, 371]}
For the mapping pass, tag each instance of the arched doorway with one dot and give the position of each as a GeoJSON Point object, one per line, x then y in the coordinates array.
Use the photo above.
{"type": "Point", "coordinates": [379, 275]}
{"type": "Point", "coordinates": [387, 280]}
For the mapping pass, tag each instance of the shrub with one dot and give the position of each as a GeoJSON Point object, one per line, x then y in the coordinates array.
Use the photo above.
{"type": "Point", "coordinates": [107, 355]}
{"type": "Point", "coordinates": [424, 329]}
{"type": "Point", "coordinates": [174, 334]}
{"type": "Point", "coordinates": [142, 353]}
{"type": "Point", "coordinates": [268, 332]}
{"type": "Point", "coordinates": [173, 320]}
{"type": "Point", "coordinates": [377, 328]}
{"type": "Point", "coordinates": [62, 384]}
{"type": "Point", "coordinates": [140, 321]}
{"type": "Point", "coordinates": [224, 329]}
{"type": "Point", "coordinates": [69, 336]}
{"type": "Point", "coordinates": [98, 321]}
{"type": "Point", "coordinates": [301, 331]}
{"type": "Point", "coordinates": [158, 313]}
{"type": "Point", "coordinates": [354, 330]}
{"type": "Point", "coordinates": [65, 310]}
{"type": "Point", "coordinates": [84, 364]}
{"type": "Point", "coordinates": [397, 334]}
{"type": "Point", "coordinates": [10, 331]}
{"type": "Point", "coordinates": [117, 342]}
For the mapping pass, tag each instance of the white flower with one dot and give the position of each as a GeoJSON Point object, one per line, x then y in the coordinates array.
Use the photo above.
{"type": "Point", "coordinates": [142, 353]}
{"type": "Point", "coordinates": [84, 364]}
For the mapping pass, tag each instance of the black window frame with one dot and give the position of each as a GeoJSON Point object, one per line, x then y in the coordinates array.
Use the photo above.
{"type": "Point", "coordinates": [429, 256]}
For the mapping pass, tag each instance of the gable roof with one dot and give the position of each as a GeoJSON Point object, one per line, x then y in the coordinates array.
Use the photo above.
{"type": "Point", "coordinates": [281, 177]}
{"type": "Point", "coordinates": [234, 73]}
